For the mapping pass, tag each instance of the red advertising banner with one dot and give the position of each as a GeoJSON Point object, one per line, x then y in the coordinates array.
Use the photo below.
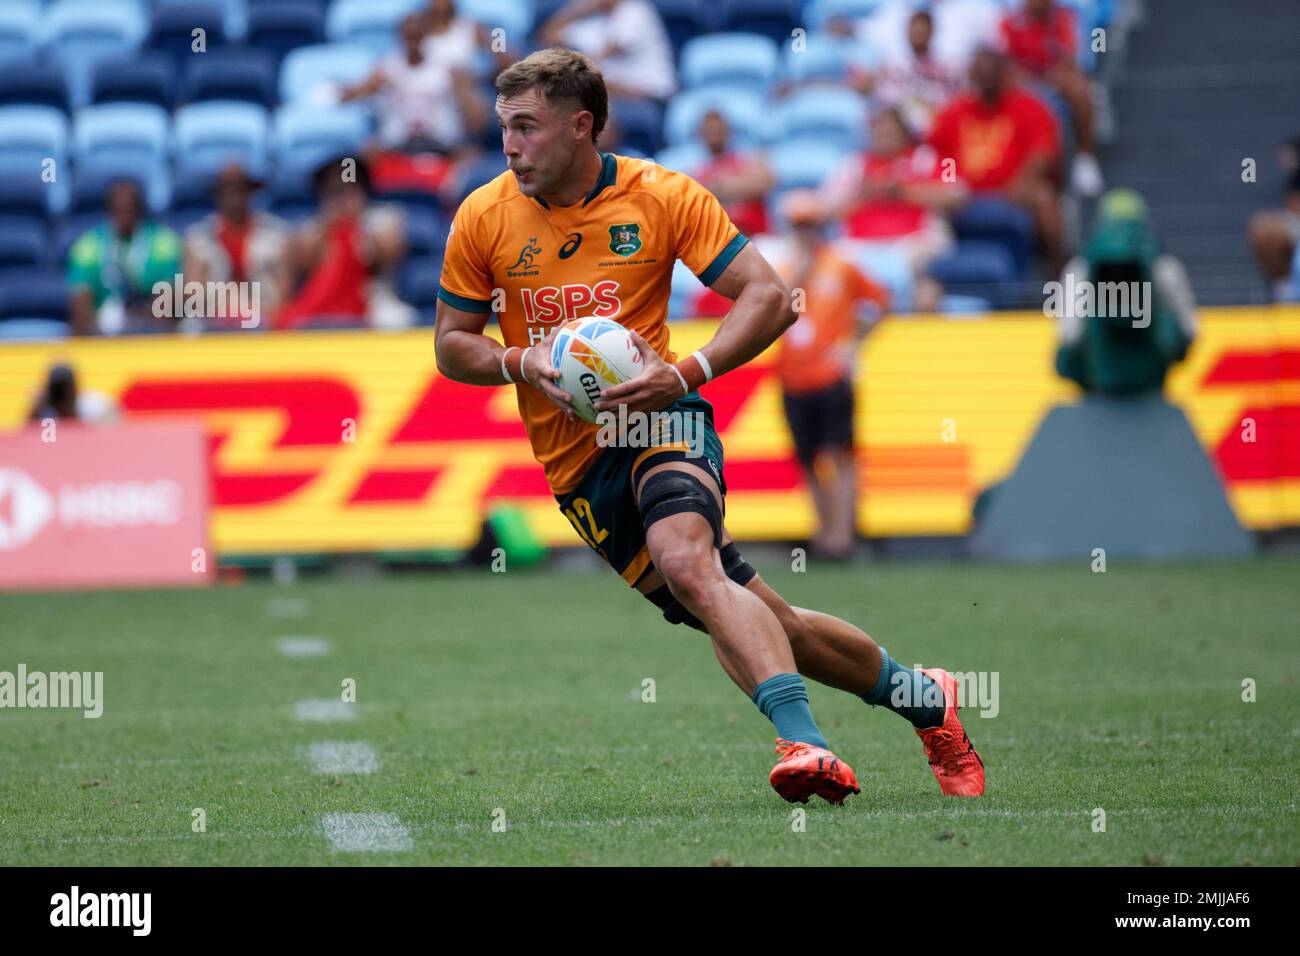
{"type": "Point", "coordinates": [86, 506]}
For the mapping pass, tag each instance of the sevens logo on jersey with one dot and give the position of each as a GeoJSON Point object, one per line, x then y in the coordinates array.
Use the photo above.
{"type": "Point", "coordinates": [572, 301]}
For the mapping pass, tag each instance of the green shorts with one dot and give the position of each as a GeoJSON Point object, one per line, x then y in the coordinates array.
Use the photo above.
{"type": "Point", "coordinates": [603, 507]}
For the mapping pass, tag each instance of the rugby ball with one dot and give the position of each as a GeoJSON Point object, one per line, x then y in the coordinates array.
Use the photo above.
{"type": "Point", "coordinates": [591, 355]}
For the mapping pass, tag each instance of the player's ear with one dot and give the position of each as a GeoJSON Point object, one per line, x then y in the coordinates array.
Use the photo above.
{"type": "Point", "coordinates": [582, 124]}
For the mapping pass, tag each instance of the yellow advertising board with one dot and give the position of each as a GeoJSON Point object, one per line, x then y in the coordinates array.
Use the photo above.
{"type": "Point", "coordinates": [349, 441]}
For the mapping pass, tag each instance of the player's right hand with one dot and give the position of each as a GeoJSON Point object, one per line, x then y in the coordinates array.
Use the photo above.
{"type": "Point", "coordinates": [542, 375]}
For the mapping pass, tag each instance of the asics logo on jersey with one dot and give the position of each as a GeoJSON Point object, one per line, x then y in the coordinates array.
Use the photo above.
{"type": "Point", "coordinates": [527, 254]}
{"type": "Point", "coordinates": [570, 247]}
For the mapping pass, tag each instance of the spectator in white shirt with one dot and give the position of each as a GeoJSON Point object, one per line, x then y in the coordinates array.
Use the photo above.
{"type": "Point", "coordinates": [960, 28]}
{"type": "Point", "coordinates": [627, 40]}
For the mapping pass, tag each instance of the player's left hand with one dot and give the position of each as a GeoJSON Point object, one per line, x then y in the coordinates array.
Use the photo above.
{"type": "Point", "coordinates": [653, 390]}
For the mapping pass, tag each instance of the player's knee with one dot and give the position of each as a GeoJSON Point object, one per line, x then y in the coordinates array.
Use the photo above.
{"type": "Point", "coordinates": [691, 575]}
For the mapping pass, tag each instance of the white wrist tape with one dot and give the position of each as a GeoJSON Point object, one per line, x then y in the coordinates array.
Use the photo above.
{"type": "Point", "coordinates": [523, 359]}
{"type": "Point", "coordinates": [704, 364]}
{"type": "Point", "coordinates": [505, 372]}
{"type": "Point", "coordinates": [681, 378]}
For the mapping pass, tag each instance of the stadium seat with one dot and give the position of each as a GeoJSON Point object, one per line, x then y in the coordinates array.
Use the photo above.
{"type": "Point", "coordinates": [305, 70]}
{"type": "Point", "coordinates": [38, 294]}
{"type": "Point", "coordinates": [307, 136]}
{"type": "Point", "coordinates": [33, 84]}
{"type": "Point", "coordinates": [775, 19]}
{"type": "Point", "coordinates": [144, 78]}
{"type": "Point", "coordinates": [26, 330]}
{"type": "Point", "coordinates": [23, 244]}
{"type": "Point", "coordinates": [209, 135]}
{"type": "Point", "coordinates": [802, 165]}
{"type": "Point", "coordinates": [25, 198]}
{"type": "Point", "coordinates": [31, 134]}
{"type": "Point", "coordinates": [513, 16]}
{"type": "Point", "coordinates": [684, 20]}
{"type": "Point", "coordinates": [885, 264]}
{"type": "Point", "coordinates": [284, 27]}
{"type": "Point", "coordinates": [120, 135]}
{"type": "Point", "coordinates": [19, 30]}
{"type": "Point", "coordinates": [372, 24]}
{"type": "Point", "coordinates": [233, 73]}
{"type": "Point", "coordinates": [291, 196]}
{"type": "Point", "coordinates": [817, 12]}
{"type": "Point", "coordinates": [191, 200]}
{"type": "Point", "coordinates": [824, 59]}
{"type": "Point", "coordinates": [426, 233]}
{"type": "Point", "coordinates": [682, 158]}
{"type": "Point", "coordinates": [641, 122]}
{"type": "Point", "coordinates": [834, 117]}
{"type": "Point", "coordinates": [80, 33]}
{"type": "Point", "coordinates": [740, 59]}
{"type": "Point", "coordinates": [976, 268]}
{"type": "Point", "coordinates": [992, 220]}
{"type": "Point", "coordinates": [418, 286]}
{"type": "Point", "coordinates": [234, 15]}
{"type": "Point", "coordinates": [481, 171]}
{"type": "Point", "coordinates": [171, 31]}
{"type": "Point", "coordinates": [745, 110]}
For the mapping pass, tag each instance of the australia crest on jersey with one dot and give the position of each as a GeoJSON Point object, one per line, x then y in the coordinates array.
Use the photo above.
{"type": "Point", "coordinates": [625, 239]}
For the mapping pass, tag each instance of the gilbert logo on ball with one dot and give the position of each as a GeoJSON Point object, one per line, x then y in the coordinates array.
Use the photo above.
{"type": "Point", "coordinates": [591, 355]}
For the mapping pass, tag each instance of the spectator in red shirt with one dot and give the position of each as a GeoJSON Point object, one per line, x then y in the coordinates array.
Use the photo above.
{"type": "Point", "coordinates": [1042, 42]}
{"type": "Point", "coordinates": [1005, 144]}
{"type": "Point", "coordinates": [740, 180]}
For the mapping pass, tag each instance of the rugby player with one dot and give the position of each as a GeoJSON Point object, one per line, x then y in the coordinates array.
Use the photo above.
{"type": "Point", "coordinates": [569, 232]}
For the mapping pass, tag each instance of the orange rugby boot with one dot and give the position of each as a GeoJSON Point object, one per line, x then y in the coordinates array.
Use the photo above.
{"type": "Point", "coordinates": [952, 756]}
{"type": "Point", "coordinates": [804, 770]}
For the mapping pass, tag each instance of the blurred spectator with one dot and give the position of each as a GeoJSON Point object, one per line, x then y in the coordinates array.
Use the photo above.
{"type": "Point", "coordinates": [1006, 144]}
{"type": "Point", "coordinates": [347, 255]}
{"type": "Point", "coordinates": [114, 266]}
{"type": "Point", "coordinates": [1042, 41]}
{"type": "Point", "coordinates": [1126, 342]}
{"type": "Point", "coordinates": [912, 79]}
{"type": "Point", "coordinates": [456, 42]}
{"type": "Point", "coordinates": [816, 363]}
{"type": "Point", "coordinates": [239, 244]}
{"type": "Point", "coordinates": [424, 105]}
{"type": "Point", "coordinates": [1274, 234]}
{"type": "Point", "coordinates": [894, 193]}
{"type": "Point", "coordinates": [61, 398]}
{"type": "Point", "coordinates": [740, 179]}
{"type": "Point", "coordinates": [627, 40]}
{"type": "Point", "coordinates": [960, 28]}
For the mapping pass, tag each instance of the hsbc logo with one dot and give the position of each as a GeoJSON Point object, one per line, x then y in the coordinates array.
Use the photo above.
{"type": "Point", "coordinates": [25, 508]}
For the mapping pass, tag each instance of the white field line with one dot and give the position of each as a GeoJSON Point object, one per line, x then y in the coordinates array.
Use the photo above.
{"type": "Point", "coordinates": [336, 756]}
{"type": "Point", "coordinates": [286, 608]}
{"type": "Point", "coordinates": [302, 646]}
{"type": "Point", "coordinates": [367, 833]}
{"type": "Point", "coordinates": [324, 710]}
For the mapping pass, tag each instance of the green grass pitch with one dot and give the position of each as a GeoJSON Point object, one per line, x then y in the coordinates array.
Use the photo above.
{"type": "Point", "coordinates": [517, 698]}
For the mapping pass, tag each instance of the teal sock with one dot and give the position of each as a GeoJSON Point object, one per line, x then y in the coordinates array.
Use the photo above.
{"type": "Point", "coordinates": [907, 692]}
{"type": "Point", "coordinates": [784, 701]}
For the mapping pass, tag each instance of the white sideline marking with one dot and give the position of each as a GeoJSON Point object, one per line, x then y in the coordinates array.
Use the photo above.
{"type": "Point", "coordinates": [303, 646]}
{"type": "Point", "coordinates": [324, 709]}
{"type": "Point", "coordinates": [367, 833]}
{"type": "Point", "coordinates": [286, 607]}
{"type": "Point", "coordinates": [336, 756]}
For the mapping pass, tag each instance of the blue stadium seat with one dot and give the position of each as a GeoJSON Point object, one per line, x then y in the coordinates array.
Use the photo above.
{"type": "Point", "coordinates": [23, 244]}
{"type": "Point", "coordinates": [283, 27]}
{"type": "Point", "coordinates": [683, 158]}
{"type": "Point", "coordinates": [291, 196]}
{"type": "Point", "coordinates": [513, 16]}
{"type": "Point", "coordinates": [234, 15]}
{"type": "Point", "coordinates": [481, 171]}
{"type": "Point", "coordinates": [191, 200]}
{"type": "Point", "coordinates": [38, 294]}
{"type": "Point", "coordinates": [745, 109]}
{"type": "Point", "coordinates": [19, 29]}
{"type": "Point", "coordinates": [802, 165]}
{"type": "Point", "coordinates": [171, 31]}
{"type": "Point", "coordinates": [426, 233]}
{"type": "Point", "coordinates": [145, 78]}
{"type": "Point", "coordinates": [835, 117]}
{"type": "Point", "coordinates": [25, 199]}
{"type": "Point", "coordinates": [121, 135]}
{"type": "Point", "coordinates": [30, 330]}
{"type": "Point", "coordinates": [641, 123]}
{"type": "Point", "coordinates": [825, 58]}
{"type": "Point", "coordinates": [992, 220]}
{"type": "Point", "coordinates": [975, 267]}
{"type": "Point", "coordinates": [684, 20]}
{"type": "Point", "coordinates": [80, 33]}
{"type": "Point", "coordinates": [775, 19]}
{"type": "Point", "coordinates": [418, 286]}
{"type": "Point", "coordinates": [234, 73]}
{"type": "Point", "coordinates": [307, 68]}
{"type": "Point", "coordinates": [740, 59]}
{"type": "Point", "coordinates": [33, 84]}
{"type": "Point", "coordinates": [817, 12]}
{"type": "Point", "coordinates": [307, 136]}
{"type": "Point", "coordinates": [210, 135]}
{"type": "Point", "coordinates": [885, 264]}
{"type": "Point", "coordinates": [29, 135]}
{"type": "Point", "coordinates": [372, 24]}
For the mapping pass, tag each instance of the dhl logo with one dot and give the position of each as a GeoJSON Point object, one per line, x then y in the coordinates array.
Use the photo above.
{"type": "Point", "coordinates": [343, 440]}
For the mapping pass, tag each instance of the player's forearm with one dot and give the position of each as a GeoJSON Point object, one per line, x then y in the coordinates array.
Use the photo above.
{"type": "Point", "coordinates": [761, 312]}
{"type": "Point", "coordinates": [469, 357]}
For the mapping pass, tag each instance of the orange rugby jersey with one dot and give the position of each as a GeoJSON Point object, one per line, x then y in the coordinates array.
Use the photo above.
{"type": "Point", "coordinates": [610, 256]}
